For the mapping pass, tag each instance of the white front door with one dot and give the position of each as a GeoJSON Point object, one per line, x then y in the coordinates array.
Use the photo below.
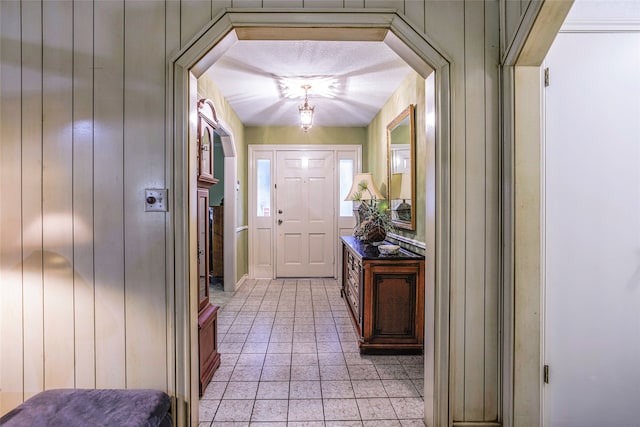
{"type": "Point", "coordinates": [305, 214]}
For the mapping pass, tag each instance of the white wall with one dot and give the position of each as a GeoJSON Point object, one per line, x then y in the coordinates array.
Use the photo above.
{"type": "Point", "coordinates": [591, 231]}
{"type": "Point", "coordinates": [83, 131]}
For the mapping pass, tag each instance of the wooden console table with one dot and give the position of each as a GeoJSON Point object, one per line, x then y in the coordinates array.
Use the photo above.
{"type": "Point", "coordinates": [385, 297]}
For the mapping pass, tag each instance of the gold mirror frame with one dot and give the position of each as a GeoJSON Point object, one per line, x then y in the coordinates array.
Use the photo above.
{"type": "Point", "coordinates": [401, 170]}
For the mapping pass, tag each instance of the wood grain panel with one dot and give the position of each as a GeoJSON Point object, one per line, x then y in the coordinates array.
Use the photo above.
{"type": "Point", "coordinates": [172, 46]}
{"type": "Point", "coordinates": [108, 192]}
{"type": "Point", "coordinates": [194, 15]}
{"type": "Point", "coordinates": [32, 197]}
{"type": "Point", "coordinates": [512, 13]}
{"type": "Point", "coordinates": [217, 6]}
{"type": "Point", "coordinates": [415, 13]}
{"type": "Point", "coordinates": [83, 128]}
{"type": "Point", "coordinates": [492, 346]}
{"type": "Point", "coordinates": [57, 169]}
{"type": "Point", "coordinates": [354, 4]}
{"type": "Point", "coordinates": [11, 301]}
{"type": "Point", "coordinates": [172, 28]}
{"type": "Point", "coordinates": [441, 18]}
{"type": "Point", "coordinates": [527, 225]}
{"type": "Point", "coordinates": [248, 4]}
{"type": "Point", "coordinates": [385, 4]}
{"type": "Point", "coordinates": [144, 236]}
{"type": "Point", "coordinates": [288, 4]}
{"type": "Point", "coordinates": [334, 4]}
{"type": "Point", "coordinates": [475, 211]}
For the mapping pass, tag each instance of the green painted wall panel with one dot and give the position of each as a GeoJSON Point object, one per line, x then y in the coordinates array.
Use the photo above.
{"type": "Point", "coordinates": [411, 91]}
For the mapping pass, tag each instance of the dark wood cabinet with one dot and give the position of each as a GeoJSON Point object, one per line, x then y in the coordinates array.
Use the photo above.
{"type": "Point", "coordinates": [207, 313]}
{"type": "Point", "coordinates": [217, 244]}
{"type": "Point", "coordinates": [385, 297]}
{"type": "Point", "coordinates": [208, 344]}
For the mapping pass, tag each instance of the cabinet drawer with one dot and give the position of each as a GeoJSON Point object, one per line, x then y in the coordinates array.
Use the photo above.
{"type": "Point", "coordinates": [353, 297]}
{"type": "Point", "coordinates": [353, 263]}
{"type": "Point", "coordinates": [354, 280]}
{"type": "Point", "coordinates": [354, 272]}
{"type": "Point", "coordinates": [354, 300]}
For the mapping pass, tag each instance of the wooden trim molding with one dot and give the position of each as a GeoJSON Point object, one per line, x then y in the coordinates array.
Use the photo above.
{"type": "Point", "coordinates": [543, 31]}
{"type": "Point", "coordinates": [306, 33]}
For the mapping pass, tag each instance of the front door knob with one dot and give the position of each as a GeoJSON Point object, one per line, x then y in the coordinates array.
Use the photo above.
{"type": "Point", "coordinates": [279, 222]}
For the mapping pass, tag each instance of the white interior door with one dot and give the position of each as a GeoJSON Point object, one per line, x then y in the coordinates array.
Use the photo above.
{"type": "Point", "coordinates": [592, 231]}
{"type": "Point", "coordinates": [305, 214]}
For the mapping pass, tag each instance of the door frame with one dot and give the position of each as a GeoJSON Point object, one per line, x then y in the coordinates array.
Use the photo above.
{"type": "Point", "coordinates": [420, 52]}
{"type": "Point", "coordinates": [272, 150]}
{"type": "Point", "coordinates": [523, 76]}
{"type": "Point", "coordinates": [522, 84]}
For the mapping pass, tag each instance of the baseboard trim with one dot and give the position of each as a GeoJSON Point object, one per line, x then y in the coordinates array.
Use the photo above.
{"type": "Point", "coordinates": [241, 282]}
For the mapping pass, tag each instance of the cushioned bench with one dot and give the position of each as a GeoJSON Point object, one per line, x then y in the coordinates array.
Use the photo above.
{"type": "Point", "coordinates": [85, 408]}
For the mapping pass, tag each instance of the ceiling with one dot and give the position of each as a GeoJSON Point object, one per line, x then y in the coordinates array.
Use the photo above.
{"type": "Point", "coordinates": [350, 81]}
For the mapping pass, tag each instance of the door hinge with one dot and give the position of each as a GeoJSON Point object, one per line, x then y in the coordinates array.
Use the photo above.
{"type": "Point", "coordinates": [546, 77]}
{"type": "Point", "coordinates": [545, 374]}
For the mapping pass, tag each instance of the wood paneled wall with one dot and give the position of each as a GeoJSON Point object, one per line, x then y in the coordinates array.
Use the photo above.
{"type": "Point", "coordinates": [467, 32]}
{"type": "Point", "coordinates": [83, 133]}
{"type": "Point", "coordinates": [82, 269]}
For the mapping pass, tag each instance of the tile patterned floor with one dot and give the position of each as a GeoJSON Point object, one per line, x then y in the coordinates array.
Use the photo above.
{"type": "Point", "coordinates": [290, 358]}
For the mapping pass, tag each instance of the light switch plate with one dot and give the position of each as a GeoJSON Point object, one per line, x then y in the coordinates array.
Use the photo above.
{"type": "Point", "coordinates": [155, 200]}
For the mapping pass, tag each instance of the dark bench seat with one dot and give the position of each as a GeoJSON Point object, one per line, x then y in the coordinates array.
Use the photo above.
{"type": "Point", "coordinates": [88, 407]}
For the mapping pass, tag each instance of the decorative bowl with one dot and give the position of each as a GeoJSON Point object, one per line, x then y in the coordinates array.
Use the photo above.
{"type": "Point", "coordinates": [388, 249]}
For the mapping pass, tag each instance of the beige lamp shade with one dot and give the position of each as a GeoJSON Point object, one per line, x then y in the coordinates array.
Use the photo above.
{"type": "Point", "coordinates": [400, 186]}
{"type": "Point", "coordinates": [371, 192]}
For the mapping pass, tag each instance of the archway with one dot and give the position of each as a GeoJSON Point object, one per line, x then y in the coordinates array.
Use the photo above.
{"type": "Point", "coordinates": [417, 51]}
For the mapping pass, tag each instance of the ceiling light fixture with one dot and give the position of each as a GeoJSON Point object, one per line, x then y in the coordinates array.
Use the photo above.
{"type": "Point", "coordinates": [306, 111]}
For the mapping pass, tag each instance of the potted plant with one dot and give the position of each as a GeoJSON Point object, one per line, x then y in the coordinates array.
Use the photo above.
{"type": "Point", "coordinates": [374, 217]}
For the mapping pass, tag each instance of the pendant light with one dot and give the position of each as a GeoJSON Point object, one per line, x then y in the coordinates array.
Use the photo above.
{"type": "Point", "coordinates": [306, 111]}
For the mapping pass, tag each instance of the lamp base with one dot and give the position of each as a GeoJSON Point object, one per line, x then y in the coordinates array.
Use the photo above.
{"type": "Point", "coordinates": [403, 211]}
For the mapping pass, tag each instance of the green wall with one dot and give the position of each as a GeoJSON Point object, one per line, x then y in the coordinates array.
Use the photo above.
{"type": "Point", "coordinates": [411, 91]}
{"type": "Point", "coordinates": [315, 135]}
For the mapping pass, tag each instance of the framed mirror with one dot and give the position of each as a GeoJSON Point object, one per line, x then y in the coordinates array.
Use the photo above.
{"type": "Point", "coordinates": [401, 174]}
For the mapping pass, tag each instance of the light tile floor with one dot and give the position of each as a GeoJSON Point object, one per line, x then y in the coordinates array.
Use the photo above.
{"type": "Point", "coordinates": [290, 358]}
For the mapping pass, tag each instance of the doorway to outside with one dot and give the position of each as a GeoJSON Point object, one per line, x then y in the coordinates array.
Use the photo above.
{"type": "Point", "coordinates": [305, 211]}
{"type": "Point", "coordinates": [297, 208]}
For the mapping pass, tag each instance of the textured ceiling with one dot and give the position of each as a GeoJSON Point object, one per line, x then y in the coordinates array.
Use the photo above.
{"type": "Point", "coordinates": [350, 81]}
